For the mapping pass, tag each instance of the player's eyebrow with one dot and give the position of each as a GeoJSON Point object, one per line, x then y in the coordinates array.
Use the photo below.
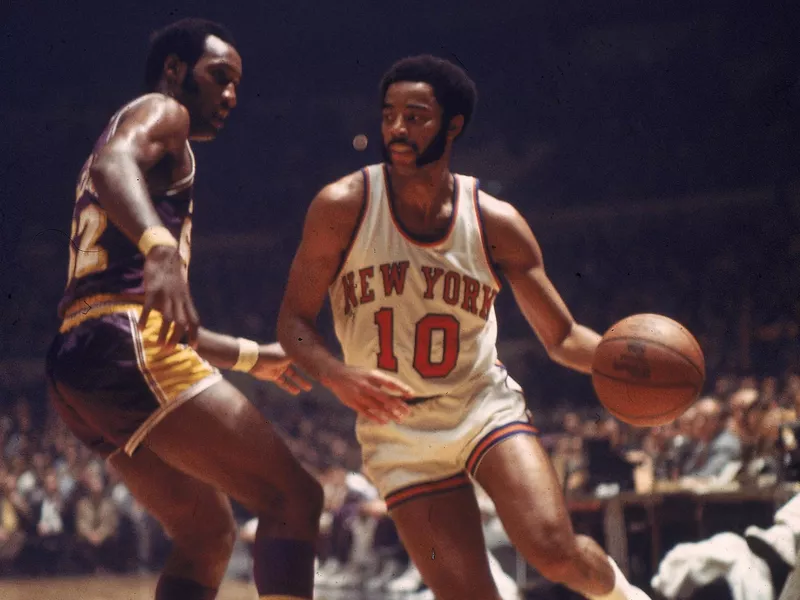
{"type": "Point", "coordinates": [222, 63]}
{"type": "Point", "coordinates": [409, 105]}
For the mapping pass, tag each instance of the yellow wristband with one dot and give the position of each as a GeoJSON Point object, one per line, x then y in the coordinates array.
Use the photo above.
{"type": "Point", "coordinates": [156, 236]}
{"type": "Point", "coordinates": [248, 356]}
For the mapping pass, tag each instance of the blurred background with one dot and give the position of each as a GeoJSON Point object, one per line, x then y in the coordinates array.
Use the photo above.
{"type": "Point", "coordinates": [652, 146]}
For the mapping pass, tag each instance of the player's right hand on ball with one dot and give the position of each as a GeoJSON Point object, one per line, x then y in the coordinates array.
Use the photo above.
{"type": "Point", "coordinates": [167, 291]}
{"type": "Point", "coordinates": [373, 394]}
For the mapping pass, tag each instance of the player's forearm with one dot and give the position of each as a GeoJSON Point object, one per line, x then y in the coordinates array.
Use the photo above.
{"type": "Point", "coordinates": [122, 192]}
{"type": "Point", "coordinates": [303, 344]}
{"type": "Point", "coordinates": [217, 348]}
{"type": "Point", "coordinates": [221, 350]}
{"type": "Point", "coordinates": [577, 350]}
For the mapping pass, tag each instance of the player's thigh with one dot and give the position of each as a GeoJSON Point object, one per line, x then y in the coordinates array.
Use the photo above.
{"type": "Point", "coordinates": [188, 509]}
{"type": "Point", "coordinates": [442, 533]}
{"type": "Point", "coordinates": [219, 437]}
{"type": "Point", "coordinates": [518, 476]}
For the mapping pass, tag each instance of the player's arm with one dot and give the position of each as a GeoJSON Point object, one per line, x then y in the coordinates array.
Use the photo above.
{"type": "Point", "coordinates": [330, 224]}
{"type": "Point", "coordinates": [267, 362]}
{"type": "Point", "coordinates": [155, 130]}
{"type": "Point", "coordinates": [516, 252]}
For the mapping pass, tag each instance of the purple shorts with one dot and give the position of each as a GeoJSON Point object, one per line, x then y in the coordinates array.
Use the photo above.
{"type": "Point", "coordinates": [112, 383]}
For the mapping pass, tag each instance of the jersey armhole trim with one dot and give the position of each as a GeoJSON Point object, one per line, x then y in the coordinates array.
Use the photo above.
{"type": "Point", "coordinates": [362, 215]}
{"type": "Point", "coordinates": [487, 255]}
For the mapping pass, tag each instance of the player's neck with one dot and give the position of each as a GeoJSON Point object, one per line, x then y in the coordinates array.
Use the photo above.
{"type": "Point", "coordinates": [424, 189]}
{"type": "Point", "coordinates": [168, 90]}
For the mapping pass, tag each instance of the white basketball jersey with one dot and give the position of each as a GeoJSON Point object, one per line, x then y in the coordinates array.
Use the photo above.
{"type": "Point", "coordinates": [421, 311]}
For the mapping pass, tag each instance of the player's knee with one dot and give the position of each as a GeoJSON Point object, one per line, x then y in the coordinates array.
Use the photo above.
{"type": "Point", "coordinates": [306, 501]}
{"type": "Point", "coordinates": [208, 533]}
{"type": "Point", "coordinates": [298, 502]}
{"type": "Point", "coordinates": [222, 539]}
{"type": "Point", "coordinates": [556, 553]}
{"type": "Point", "coordinates": [316, 499]}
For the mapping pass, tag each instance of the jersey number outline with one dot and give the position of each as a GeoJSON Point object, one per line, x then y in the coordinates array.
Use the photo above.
{"type": "Point", "coordinates": [423, 339]}
{"type": "Point", "coordinates": [86, 256]}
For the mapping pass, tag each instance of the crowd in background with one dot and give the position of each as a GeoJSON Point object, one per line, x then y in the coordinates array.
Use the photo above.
{"type": "Point", "coordinates": [63, 510]}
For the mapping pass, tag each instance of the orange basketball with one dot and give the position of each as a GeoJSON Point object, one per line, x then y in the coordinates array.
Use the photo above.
{"type": "Point", "coordinates": [647, 370]}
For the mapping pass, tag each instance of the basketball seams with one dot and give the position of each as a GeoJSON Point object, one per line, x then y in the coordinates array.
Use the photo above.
{"type": "Point", "coordinates": [661, 345]}
{"type": "Point", "coordinates": [686, 334]}
{"type": "Point", "coordinates": [645, 421]}
{"type": "Point", "coordinates": [647, 346]}
{"type": "Point", "coordinates": [647, 384]}
{"type": "Point", "coordinates": [666, 321]}
{"type": "Point", "coordinates": [623, 416]}
{"type": "Point", "coordinates": [647, 416]}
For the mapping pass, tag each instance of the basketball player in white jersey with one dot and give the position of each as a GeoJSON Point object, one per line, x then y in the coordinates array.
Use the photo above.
{"type": "Point", "coordinates": [411, 256]}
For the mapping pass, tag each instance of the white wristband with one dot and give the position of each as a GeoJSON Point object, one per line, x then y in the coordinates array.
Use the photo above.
{"type": "Point", "coordinates": [155, 236]}
{"type": "Point", "coordinates": [248, 356]}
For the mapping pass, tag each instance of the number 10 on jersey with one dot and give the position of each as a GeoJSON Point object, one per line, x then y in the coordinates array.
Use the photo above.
{"type": "Point", "coordinates": [423, 342]}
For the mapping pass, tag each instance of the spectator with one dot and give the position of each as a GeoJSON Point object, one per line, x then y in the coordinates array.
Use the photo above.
{"type": "Point", "coordinates": [12, 536]}
{"type": "Point", "coordinates": [51, 544]}
{"type": "Point", "coordinates": [568, 459]}
{"type": "Point", "coordinates": [717, 447]}
{"type": "Point", "coordinates": [143, 527]}
{"type": "Point", "coordinates": [68, 468]}
{"type": "Point", "coordinates": [31, 482]}
{"type": "Point", "coordinates": [683, 444]}
{"type": "Point", "coordinates": [97, 525]}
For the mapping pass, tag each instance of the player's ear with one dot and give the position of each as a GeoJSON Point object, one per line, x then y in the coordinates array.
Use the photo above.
{"type": "Point", "coordinates": [175, 70]}
{"type": "Point", "coordinates": [455, 127]}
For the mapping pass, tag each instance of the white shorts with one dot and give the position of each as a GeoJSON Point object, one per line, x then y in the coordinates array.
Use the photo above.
{"type": "Point", "coordinates": [442, 442]}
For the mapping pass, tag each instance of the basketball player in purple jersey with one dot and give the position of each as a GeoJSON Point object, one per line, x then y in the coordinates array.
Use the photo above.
{"type": "Point", "coordinates": [182, 437]}
{"type": "Point", "coordinates": [410, 255]}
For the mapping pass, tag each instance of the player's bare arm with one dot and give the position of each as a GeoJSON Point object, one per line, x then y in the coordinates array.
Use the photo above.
{"type": "Point", "coordinates": [329, 227]}
{"type": "Point", "coordinates": [271, 361]}
{"type": "Point", "coordinates": [516, 252]}
{"type": "Point", "coordinates": [154, 131]}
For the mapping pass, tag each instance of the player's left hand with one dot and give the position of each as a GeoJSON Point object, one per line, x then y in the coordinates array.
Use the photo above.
{"type": "Point", "coordinates": [273, 365]}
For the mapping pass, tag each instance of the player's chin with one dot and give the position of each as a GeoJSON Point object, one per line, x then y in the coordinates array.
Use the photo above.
{"type": "Point", "coordinates": [403, 159]}
{"type": "Point", "coordinates": [208, 132]}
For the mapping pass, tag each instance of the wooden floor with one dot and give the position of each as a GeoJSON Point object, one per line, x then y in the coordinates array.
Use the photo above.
{"type": "Point", "coordinates": [104, 588]}
{"type": "Point", "coordinates": [110, 587]}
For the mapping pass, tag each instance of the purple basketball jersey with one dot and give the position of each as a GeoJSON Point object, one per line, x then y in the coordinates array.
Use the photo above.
{"type": "Point", "coordinates": [103, 261]}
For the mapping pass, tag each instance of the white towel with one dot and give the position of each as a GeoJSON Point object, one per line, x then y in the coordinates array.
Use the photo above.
{"type": "Point", "coordinates": [691, 566]}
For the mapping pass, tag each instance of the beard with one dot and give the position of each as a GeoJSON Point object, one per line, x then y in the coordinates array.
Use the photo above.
{"type": "Point", "coordinates": [431, 154]}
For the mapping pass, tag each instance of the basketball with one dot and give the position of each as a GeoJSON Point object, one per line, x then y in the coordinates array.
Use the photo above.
{"type": "Point", "coordinates": [647, 370]}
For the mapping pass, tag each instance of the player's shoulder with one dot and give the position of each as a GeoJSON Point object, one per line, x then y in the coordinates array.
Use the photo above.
{"type": "Point", "coordinates": [342, 197]}
{"type": "Point", "coordinates": [508, 233]}
{"type": "Point", "coordinates": [335, 212]}
{"type": "Point", "coordinates": [157, 111]}
{"type": "Point", "coordinates": [495, 211]}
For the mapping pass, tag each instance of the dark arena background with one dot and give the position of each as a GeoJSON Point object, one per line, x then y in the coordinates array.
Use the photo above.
{"type": "Point", "coordinates": [654, 149]}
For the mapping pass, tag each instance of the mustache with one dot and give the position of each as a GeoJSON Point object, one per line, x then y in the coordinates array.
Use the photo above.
{"type": "Point", "coordinates": [401, 142]}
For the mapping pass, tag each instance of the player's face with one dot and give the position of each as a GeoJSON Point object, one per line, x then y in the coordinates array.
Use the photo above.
{"type": "Point", "coordinates": [210, 88]}
{"type": "Point", "coordinates": [412, 127]}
